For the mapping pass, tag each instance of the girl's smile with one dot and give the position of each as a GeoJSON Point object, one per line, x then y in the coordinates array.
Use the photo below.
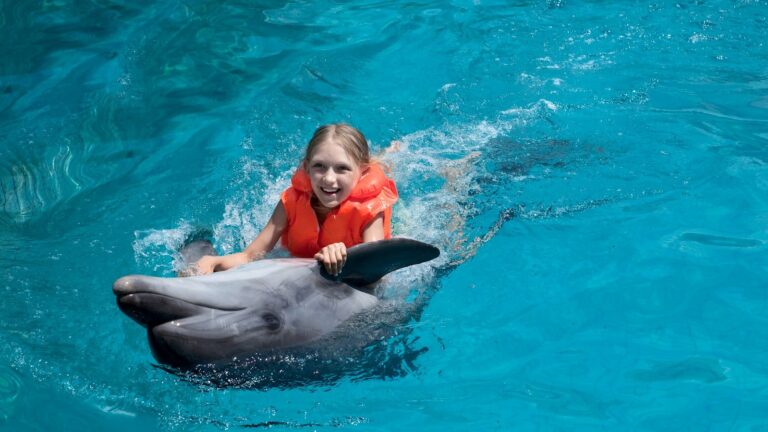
{"type": "Point", "coordinates": [332, 173]}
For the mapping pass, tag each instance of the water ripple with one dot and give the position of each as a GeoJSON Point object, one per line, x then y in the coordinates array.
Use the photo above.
{"type": "Point", "coordinates": [716, 240]}
{"type": "Point", "coordinates": [706, 370]}
{"type": "Point", "coordinates": [29, 187]}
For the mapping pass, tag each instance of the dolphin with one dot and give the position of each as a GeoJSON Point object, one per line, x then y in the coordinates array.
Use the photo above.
{"type": "Point", "coordinates": [261, 307]}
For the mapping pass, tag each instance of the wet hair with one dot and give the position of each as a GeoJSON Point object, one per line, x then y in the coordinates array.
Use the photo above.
{"type": "Point", "coordinates": [349, 138]}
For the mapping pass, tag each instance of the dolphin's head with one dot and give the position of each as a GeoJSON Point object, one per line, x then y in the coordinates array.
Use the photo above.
{"type": "Point", "coordinates": [172, 311]}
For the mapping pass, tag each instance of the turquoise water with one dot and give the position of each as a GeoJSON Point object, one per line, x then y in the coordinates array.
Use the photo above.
{"type": "Point", "coordinates": [596, 174]}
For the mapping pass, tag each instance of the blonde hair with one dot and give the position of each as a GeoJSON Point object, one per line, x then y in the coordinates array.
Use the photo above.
{"type": "Point", "coordinates": [349, 138]}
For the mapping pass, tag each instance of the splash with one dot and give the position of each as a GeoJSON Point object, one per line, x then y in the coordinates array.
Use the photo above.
{"type": "Point", "coordinates": [156, 250]}
{"type": "Point", "coordinates": [448, 179]}
{"type": "Point", "coordinates": [257, 191]}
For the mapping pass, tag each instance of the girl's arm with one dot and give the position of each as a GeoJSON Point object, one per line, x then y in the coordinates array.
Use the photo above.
{"type": "Point", "coordinates": [375, 230]}
{"type": "Point", "coordinates": [262, 244]}
{"type": "Point", "coordinates": [334, 255]}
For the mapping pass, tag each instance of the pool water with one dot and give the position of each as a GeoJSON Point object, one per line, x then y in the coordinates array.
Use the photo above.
{"type": "Point", "coordinates": [595, 173]}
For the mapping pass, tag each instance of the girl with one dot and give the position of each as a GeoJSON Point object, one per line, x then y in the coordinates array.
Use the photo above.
{"type": "Point", "coordinates": [338, 198]}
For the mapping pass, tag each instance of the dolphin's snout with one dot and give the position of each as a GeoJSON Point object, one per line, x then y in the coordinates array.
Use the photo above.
{"type": "Point", "coordinates": [151, 310]}
{"type": "Point", "coordinates": [124, 285]}
{"type": "Point", "coordinates": [127, 285]}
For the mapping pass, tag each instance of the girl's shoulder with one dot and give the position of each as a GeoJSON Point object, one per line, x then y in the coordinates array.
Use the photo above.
{"type": "Point", "coordinates": [372, 183]}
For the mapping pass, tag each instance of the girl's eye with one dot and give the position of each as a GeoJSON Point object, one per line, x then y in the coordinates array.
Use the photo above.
{"type": "Point", "coordinates": [317, 165]}
{"type": "Point", "coordinates": [343, 168]}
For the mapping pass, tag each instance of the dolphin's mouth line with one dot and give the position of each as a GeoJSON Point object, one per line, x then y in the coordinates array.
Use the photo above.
{"type": "Point", "coordinates": [121, 296]}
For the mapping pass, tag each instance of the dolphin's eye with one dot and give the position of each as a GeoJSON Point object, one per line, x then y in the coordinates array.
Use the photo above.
{"type": "Point", "coordinates": [271, 320]}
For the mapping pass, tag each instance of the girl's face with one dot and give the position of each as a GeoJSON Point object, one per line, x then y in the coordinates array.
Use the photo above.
{"type": "Point", "coordinates": [333, 174]}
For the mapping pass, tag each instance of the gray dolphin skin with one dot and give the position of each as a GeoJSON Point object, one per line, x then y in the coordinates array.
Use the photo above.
{"type": "Point", "coordinates": [259, 307]}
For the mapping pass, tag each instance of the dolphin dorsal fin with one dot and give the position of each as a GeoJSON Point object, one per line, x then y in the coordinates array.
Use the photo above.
{"type": "Point", "coordinates": [369, 262]}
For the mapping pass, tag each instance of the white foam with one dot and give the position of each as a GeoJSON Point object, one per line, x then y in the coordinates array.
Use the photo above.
{"type": "Point", "coordinates": [150, 246]}
{"type": "Point", "coordinates": [437, 172]}
{"type": "Point", "coordinates": [247, 212]}
{"type": "Point", "coordinates": [533, 110]}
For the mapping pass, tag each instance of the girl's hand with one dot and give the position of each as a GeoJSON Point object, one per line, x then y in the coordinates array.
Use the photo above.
{"type": "Point", "coordinates": [333, 257]}
{"type": "Point", "coordinates": [205, 265]}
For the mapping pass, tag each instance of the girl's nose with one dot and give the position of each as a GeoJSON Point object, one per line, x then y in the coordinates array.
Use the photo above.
{"type": "Point", "coordinates": [329, 176]}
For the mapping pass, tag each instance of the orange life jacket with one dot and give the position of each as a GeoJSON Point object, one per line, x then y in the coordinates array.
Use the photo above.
{"type": "Point", "coordinates": [373, 194]}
